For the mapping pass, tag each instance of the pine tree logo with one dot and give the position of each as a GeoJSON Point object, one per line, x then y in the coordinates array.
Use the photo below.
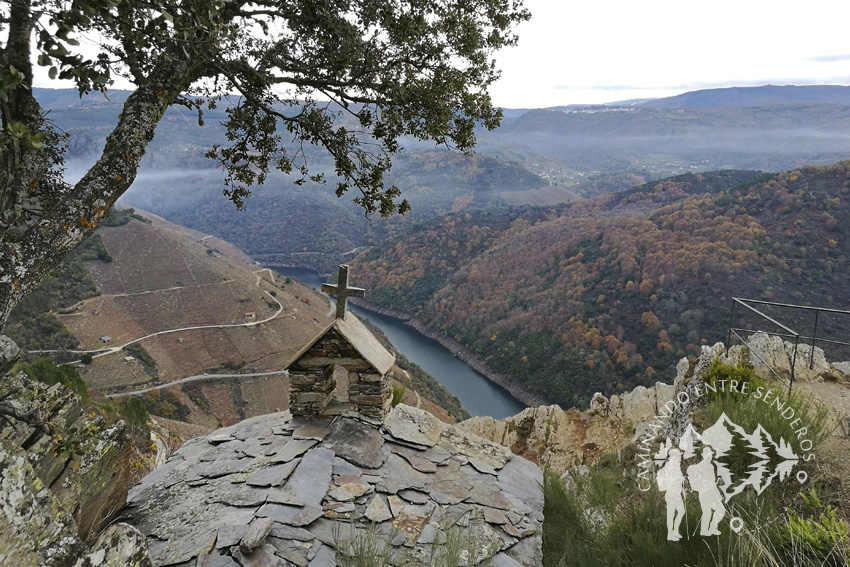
{"type": "Point", "coordinates": [700, 464]}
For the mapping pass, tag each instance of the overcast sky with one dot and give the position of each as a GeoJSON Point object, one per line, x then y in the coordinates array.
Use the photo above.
{"type": "Point", "coordinates": [590, 51]}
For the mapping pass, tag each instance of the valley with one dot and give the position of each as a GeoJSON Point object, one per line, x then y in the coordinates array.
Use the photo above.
{"type": "Point", "coordinates": [608, 293]}
{"type": "Point", "coordinates": [184, 320]}
{"type": "Point", "coordinates": [478, 395]}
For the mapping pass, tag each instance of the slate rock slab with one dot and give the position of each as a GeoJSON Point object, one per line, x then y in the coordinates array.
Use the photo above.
{"type": "Point", "coordinates": [522, 479]}
{"type": "Point", "coordinates": [239, 494]}
{"type": "Point", "coordinates": [473, 446]}
{"type": "Point", "coordinates": [283, 531]}
{"type": "Point", "coordinates": [284, 495]}
{"type": "Point", "coordinates": [290, 515]}
{"type": "Point", "coordinates": [414, 496]}
{"type": "Point", "coordinates": [312, 476]}
{"type": "Point", "coordinates": [262, 557]}
{"type": "Point", "coordinates": [344, 468]}
{"type": "Point", "coordinates": [413, 425]}
{"type": "Point", "coordinates": [294, 551]}
{"type": "Point", "coordinates": [325, 557]}
{"type": "Point", "coordinates": [304, 427]}
{"type": "Point", "coordinates": [482, 467]}
{"type": "Point", "coordinates": [215, 560]}
{"type": "Point", "coordinates": [377, 511]}
{"type": "Point", "coordinates": [356, 442]}
{"type": "Point", "coordinates": [349, 491]}
{"type": "Point", "coordinates": [215, 469]}
{"type": "Point", "coordinates": [415, 459]}
{"type": "Point", "coordinates": [273, 476]}
{"type": "Point", "coordinates": [256, 534]}
{"type": "Point", "coordinates": [397, 475]}
{"type": "Point", "coordinates": [186, 545]}
{"type": "Point", "coordinates": [293, 448]}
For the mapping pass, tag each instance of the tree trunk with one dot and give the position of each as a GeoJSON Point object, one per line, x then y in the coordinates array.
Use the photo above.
{"type": "Point", "coordinates": [44, 218]}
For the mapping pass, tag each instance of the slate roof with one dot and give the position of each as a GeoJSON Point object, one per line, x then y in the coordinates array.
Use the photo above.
{"type": "Point", "coordinates": [414, 477]}
{"type": "Point", "coordinates": [361, 339]}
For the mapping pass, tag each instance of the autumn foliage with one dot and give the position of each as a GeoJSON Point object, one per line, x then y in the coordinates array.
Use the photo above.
{"type": "Point", "coordinates": [608, 293]}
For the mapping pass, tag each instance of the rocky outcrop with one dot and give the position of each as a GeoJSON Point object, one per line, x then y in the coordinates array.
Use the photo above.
{"type": "Point", "coordinates": [278, 490]}
{"type": "Point", "coordinates": [550, 436]}
{"type": "Point", "coordinates": [64, 477]}
{"type": "Point", "coordinates": [769, 354]}
{"type": "Point", "coordinates": [77, 454]}
{"type": "Point", "coordinates": [563, 439]}
{"type": "Point", "coordinates": [36, 529]}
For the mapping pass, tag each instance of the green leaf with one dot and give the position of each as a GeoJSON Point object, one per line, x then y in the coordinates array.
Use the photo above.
{"type": "Point", "coordinates": [52, 73]}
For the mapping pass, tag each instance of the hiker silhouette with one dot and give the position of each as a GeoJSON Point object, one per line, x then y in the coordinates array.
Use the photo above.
{"type": "Point", "coordinates": [671, 482]}
{"type": "Point", "coordinates": [703, 480]}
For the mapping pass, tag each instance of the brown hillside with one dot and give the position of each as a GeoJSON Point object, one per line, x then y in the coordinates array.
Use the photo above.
{"type": "Point", "coordinates": [163, 277]}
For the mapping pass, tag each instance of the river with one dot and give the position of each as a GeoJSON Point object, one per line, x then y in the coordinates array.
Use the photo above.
{"type": "Point", "coordinates": [478, 395]}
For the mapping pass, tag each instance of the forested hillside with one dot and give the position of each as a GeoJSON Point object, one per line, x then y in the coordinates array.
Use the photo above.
{"type": "Point", "coordinates": [608, 293]}
{"type": "Point", "coordinates": [536, 157]}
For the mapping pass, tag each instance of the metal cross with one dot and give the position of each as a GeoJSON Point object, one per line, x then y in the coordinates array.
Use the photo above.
{"type": "Point", "coordinates": [342, 291]}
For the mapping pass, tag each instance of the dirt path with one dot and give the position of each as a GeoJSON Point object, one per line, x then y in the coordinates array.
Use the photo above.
{"type": "Point", "coordinates": [97, 353]}
{"type": "Point", "coordinates": [193, 379]}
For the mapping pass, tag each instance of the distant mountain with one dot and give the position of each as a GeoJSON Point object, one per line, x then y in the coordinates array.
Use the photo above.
{"type": "Point", "coordinates": [768, 95]}
{"type": "Point", "coordinates": [607, 293]}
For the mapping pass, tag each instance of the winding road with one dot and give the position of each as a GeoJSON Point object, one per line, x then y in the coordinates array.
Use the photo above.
{"type": "Point", "coordinates": [97, 353]}
{"type": "Point", "coordinates": [193, 379]}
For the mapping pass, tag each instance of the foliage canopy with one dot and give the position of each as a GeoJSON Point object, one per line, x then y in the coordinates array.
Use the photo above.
{"type": "Point", "coordinates": [353, 77]}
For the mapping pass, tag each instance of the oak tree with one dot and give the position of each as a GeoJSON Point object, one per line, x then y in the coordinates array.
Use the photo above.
{"type": "Point", "coordinates": [350, 76]}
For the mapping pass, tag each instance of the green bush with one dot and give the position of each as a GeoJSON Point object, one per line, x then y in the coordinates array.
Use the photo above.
{"type": "Point", "coordinates": [750, 410]}
{"type": "Point", "coordinates": [135, 414]}
{"type": "Point", "coordinates": [46, 371]}
{"type": "Point", "coordinates": [398, 394]}
{"type": "Point", "coordinates": [819, 539]}
{"type": "Point", "coordinates": [605, 520]}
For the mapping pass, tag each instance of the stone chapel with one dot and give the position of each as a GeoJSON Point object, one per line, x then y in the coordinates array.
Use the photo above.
{"type": "Point", "coordinates": [346, 343]}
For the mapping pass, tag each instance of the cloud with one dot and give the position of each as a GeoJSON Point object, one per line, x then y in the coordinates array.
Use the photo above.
{"type": "Point", "coordinates": [829, 58]}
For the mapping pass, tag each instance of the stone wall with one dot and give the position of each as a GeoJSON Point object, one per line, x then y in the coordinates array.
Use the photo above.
{"type": "Point", "coordinates": [312, 384]}
{"type": "Point", "coordinates": [371, 394]}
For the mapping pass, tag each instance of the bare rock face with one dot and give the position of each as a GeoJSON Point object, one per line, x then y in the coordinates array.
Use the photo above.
{"type": "Point", "coordinates": [551, 436]}
{"type": "Point", "coordinates": [9, 353]}
{"type": "Point", "coordinates": [36, 529]}
{"type": "Point", "coordinates": [810, 365]}
{"type": "Point", "coordinates": [638, 405]}
{"type": "Point", "coordinates": [94, 485]}
{"type": "Point", "coordinates": [119, 544]}
{"type": "Point", "coordinates": [840, 371]}
{"type": "Point", "coordinates": [563, 439]}
{"type": "Point", "coordinates": [51, 503]}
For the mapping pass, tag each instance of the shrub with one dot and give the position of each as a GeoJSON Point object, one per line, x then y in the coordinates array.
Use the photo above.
{"type": "Point", "coordinates": [821, 540]}
{"type": "Point", "coordinates": [750, 410]}
{"type": "Point", "coordinates": [46, 371]}
{"type": "Point", "coordinates": [135, 414]}
{"type": "Point", "coordinates": [398, 394]}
